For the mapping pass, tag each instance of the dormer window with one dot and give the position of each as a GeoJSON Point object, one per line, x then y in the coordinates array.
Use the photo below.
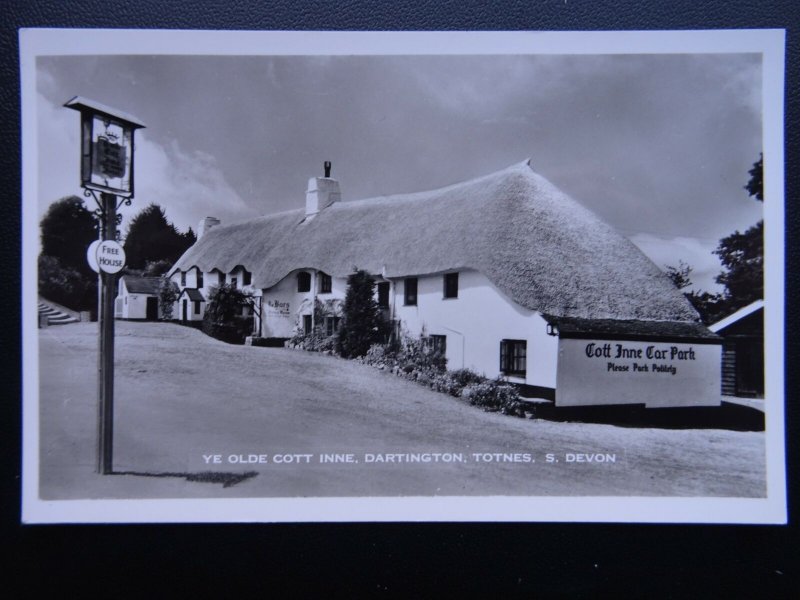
{"type": "Point", "coordinates": [234, 282]}
{"type": "Point", "coordinates": [247, 277]}
{"type": "Point", "coordinates": [183, 278]}
{"type": "Point", "coordinates": [325, 283]}
{"type": "Point", "coordinates": [221, 278]}
{"type": "Point", "coordinates": [451, 285]}
{"type": "Point", "coordinates": [199, 278]}
{"type": "Point", "coordinates": [303, 281]}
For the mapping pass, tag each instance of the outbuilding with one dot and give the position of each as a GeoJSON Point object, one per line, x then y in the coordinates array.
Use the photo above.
{"type": "Point", "coordinates": [137, 298]}
{"type": "Point", "coordinates": [743, 351]}
{"type": "Point", "coordinates": [505, 274]}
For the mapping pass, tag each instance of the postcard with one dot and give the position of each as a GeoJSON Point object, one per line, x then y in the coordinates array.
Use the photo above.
{"type": "Point", "coordinates": [463, 276]}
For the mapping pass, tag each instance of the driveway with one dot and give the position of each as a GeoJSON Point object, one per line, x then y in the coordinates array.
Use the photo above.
{"type": "Point", "coordinates": [189, 405]}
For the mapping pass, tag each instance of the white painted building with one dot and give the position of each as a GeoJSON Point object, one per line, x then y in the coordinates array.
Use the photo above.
{"type": "Point", "coordinates": [137, 298]}
{"type": "Point", "coordinates": [507, 274]}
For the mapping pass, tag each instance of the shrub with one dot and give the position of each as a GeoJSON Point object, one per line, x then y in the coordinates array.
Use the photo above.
{"type": "Point", "coordinates": [66, 285]}
{"type": "Point", "coordinates": [465, 377]}
{"type": "Point", "coordinates": [167, 296]}
{"type": "Point", "coordinates": [495, 395]}
{"type": "Point", "coordinates": [362, 321]}
{"type": "Point", "coordinates": [223, 318]}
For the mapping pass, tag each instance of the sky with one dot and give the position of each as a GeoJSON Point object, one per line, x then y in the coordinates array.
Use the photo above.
{"type": "Point", "coordinates": [659, 146]}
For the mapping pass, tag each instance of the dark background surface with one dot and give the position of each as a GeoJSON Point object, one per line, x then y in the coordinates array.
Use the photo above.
{"type": "Point", "coordinates": [576, 560]}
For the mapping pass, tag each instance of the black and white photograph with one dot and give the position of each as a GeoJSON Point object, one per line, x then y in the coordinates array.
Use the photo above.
{"type": "Point", "coordinates": [288, 277]}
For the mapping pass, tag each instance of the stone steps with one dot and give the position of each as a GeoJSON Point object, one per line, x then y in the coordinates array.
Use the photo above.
{"type": "Point", "coordinates": [55, 317]}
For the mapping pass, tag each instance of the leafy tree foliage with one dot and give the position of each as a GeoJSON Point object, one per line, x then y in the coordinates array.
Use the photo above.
{"type": "Point", "coordinates": [152, 238]}
{"type": "Point", "coordinates": [755, 187]}
{"type": "Point", "coordinates": [223, 318]}
{"type": "Point", "coordinates": [362, 321]}
{"type": "Point", "coordinates": [167, 296]}
{"type": "Point", "coordinates": [67, 229]}
{"type": "Point", "coordinates": [156, 268]}
{"type": "Point", "coordinates": [65, 285]}
{"type": "Point", "coordinates": [680, 275]}
{"type": "Point", "coordinates": [742, 256]}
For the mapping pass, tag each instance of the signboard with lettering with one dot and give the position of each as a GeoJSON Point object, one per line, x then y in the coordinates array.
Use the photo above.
{"type": "Point", "coordinates": [110, 256]}
{"type": "Point", "coordinates": [593, 372]}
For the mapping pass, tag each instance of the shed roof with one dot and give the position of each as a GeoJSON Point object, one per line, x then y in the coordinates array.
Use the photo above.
{"type": "Point", "coordinates": [611, 329]}
{"type": "Point", "coordinates": [740, 314]}
{"type": "Point", "coordinates": [538, 246]}
{"type": "Point", "coordinates": [143, 285]}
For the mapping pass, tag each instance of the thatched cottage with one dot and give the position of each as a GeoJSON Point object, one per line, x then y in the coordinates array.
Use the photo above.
{"type": "Point", "coordinates": [505, 273]}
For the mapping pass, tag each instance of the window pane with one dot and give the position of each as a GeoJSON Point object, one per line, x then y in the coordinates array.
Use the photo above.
{"type": "Point", "coordinates": [325, 283]}
{"type": "Point", "coordinates": [411, 291]}
{"type": "Point", "coordinates": [451, 285]}
{"type": "Point", "coordinates": [383, 294]}
{"type": "Point", "coordinates": [303, 282]}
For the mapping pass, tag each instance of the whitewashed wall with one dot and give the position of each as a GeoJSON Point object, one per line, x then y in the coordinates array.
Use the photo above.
{"type": "Point", "coordinates": [282, 306]}
{"type": "Point", "coordinates": [475, 323]}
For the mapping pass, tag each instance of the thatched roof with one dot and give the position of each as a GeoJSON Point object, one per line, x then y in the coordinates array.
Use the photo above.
{"type": "Point", "coordinates": [538, 246]}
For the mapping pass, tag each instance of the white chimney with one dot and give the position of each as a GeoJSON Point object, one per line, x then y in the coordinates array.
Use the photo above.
{"type": "Point", "coordinates": [321, 192]}
{"type": "Point", "coordinates": [205, 224]}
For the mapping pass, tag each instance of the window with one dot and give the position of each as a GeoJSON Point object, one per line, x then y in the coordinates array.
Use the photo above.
{"type": "Point", "coordinates": [199, 278]}
{"type": "Point", "coordinates": [234, 282]}
{"type": "Point", "coordinates": [383, 294]}
{"type": "Point", "coordinates": [410, 291]}
{"type": "Point", "coordinates": [307, 324]}
{"type": "Point", "coordinates": [303, 282]}
{"type": "Point", "coordinates": [197, 307]}
{"type": "Point", "coordinates": [451, 285]}
{"type": "Point", "coordinates": [221, 278]}
{"type": "Point", "coordinates": [325, 283]}
{"type": "Point", "coordinates": [438, 344]}
{"type": "Point", "coordinates": [183, 278]}
{"type": "Point", "coordinates": [331, 325]}
{"type": "Point", "coordinates": [247, 277]}
{"type": "Point", "coordinates": [513, 357]}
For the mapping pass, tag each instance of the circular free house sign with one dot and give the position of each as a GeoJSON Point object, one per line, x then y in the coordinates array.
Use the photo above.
{"type": "Point", "coordinates": [110, 256]}
{"type": "Point", "coordinates": [91, 256]}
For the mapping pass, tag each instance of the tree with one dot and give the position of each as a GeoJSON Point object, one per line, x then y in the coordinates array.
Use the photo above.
{"type": "Point", "coordinates": [67, 230]}
{"type": "Point", "coordinates": [680, 275]}
{"type": "Point", "coordinates": [167, 296]}
{"type": "Point", "coordinates": [223, 318]}
{"type": "Point", "coordinates": [362, 321]}
{"type": "Point", "coordinates": [710, 307]}
{"type": "Point", "coordinates": [156, 268]}
{"type": "Point", "coordinates": [755, 187]}
{"type": "Point", "coordinates": [152, 238]}
{"type": "Point", "coordinates": [742, 256]}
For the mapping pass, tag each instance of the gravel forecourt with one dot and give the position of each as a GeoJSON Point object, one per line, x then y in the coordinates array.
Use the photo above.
{"type": "Point", "coordinates": [183, 398]}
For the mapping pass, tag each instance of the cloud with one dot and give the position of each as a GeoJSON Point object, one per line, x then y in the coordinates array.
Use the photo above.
{"type": "Point", "coordinates": [188, 185]}
{"type": "Point", "coordinates": [664, 251]}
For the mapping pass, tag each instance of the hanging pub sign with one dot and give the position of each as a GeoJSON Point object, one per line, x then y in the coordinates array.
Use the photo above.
{"type": "Point", "coordinates": [106, 147]}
